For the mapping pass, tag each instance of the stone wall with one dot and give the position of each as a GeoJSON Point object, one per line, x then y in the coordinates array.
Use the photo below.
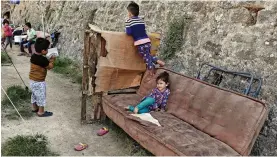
{"type": "Point", "coordinates": [237, 35]}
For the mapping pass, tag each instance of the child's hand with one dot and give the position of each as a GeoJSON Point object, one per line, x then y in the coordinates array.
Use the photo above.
{"type": "Point", "coordinates": [53, 57]}
{"type": "Point", "coordinates": [157, 109]}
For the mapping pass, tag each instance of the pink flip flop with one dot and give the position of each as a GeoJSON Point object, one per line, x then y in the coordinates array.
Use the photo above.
{"type": "Point", "coordinates": [80, 147]}
{"type": "Point", "coordinates": [102, 131]}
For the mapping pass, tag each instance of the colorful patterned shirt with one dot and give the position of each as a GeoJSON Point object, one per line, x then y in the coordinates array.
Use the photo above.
{"type": "Point", "coordinates": [160, 98]}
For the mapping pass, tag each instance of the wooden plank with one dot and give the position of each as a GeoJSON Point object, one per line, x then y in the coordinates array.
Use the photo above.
{"type": "Point", "coordinates": [96, 106]}
{"type": "Point", "coordinates": [103, 52]}
{"type": "Point", "coordinates": [92, 62]}
{"type": "Point", "coordinates": [97, 101]}
{"type": "Point", "coordinates": [92, 71]}
{"type": "Point", "coordinates": [131, 90]}
{"type": "Point", "coordinates": [98, 109]}
{"type": "Point", "coordinates": [102, 113]}
{"type": "Point", "coordinates": [97, 40]}
{"type": "Point", "coordinates": [96, 97]}
{"type": "Point", "coordinates": [85, 76]}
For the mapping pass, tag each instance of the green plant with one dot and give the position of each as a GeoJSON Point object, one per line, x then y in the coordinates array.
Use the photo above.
{"type": "Point", "coordinates": [17, 94]}
{"type": "Point", "coordinates": [68, 68]}
{"type": "Point", "coordinates": [4, 58]}
{"type": "Point", "coordinates": [174, 38]}
{"type": "Point", "coordinates": [25, 112]}
{"type": "Point", "coordinates": [22, 145]}
{"type": "Point", "coordinates": [20, 98]}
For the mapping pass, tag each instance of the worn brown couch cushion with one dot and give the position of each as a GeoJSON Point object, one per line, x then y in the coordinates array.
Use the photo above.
{"type": "Point", "coordinates": [179, 136]}
{"type": "Point", "coordinates": [227, 116]}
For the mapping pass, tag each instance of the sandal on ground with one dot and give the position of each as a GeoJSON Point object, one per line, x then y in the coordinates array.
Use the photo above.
{"type": "Point", "coordinates": [46, 114]}
{"type": "Point", "coordinates": [80, 147]}
{"type": "Point", "coordinates": [102, 131]}
{"type": "Point", "coordinates": [21, 54]}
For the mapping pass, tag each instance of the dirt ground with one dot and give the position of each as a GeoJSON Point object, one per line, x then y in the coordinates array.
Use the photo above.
{"type": "Point", "coordinates": [63, 129]}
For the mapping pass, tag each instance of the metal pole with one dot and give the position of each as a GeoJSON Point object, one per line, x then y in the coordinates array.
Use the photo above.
{"type": "Point", "coordinates": [43, 26]}
{"type": "Point", "coordinates": [42, 19]}
{"type": "Point", "coordinates": [10, 13]}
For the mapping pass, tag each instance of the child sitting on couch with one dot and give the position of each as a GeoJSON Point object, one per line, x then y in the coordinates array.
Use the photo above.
{"type": "Point", "coordinates": [157, 98]}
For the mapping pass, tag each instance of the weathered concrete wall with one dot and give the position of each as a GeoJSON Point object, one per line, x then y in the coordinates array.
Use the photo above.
{"type": "Point", "coordinates": [223, 33]}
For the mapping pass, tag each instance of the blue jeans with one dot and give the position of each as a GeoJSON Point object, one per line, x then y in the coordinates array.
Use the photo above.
{"type": "Point", "coordinates": [143, 106]}
{"type": "Point", "coordinates": [28, 46]}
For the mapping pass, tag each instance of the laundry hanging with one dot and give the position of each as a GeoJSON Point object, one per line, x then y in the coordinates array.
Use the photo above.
{"type": "Point", "coordinates": [15, 1]}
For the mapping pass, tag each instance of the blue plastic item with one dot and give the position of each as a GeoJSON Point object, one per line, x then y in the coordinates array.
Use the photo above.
{"type": "Point", "coordinates": [15, 1]}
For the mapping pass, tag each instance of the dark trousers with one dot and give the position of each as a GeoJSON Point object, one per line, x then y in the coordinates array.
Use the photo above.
{"type": "Point", "coordinates": [144, 51]}
{"type": "Point", "coordinates": [8, 41]}
{"type": "Point", "coordinates": [28, 46]}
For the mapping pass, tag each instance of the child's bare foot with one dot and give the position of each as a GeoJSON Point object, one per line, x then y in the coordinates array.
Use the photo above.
{"type": "Point", "coordinates": [161, 63]}
{"type": "Point", "coordinates": [136, 110]}
{"type": "Point", "coordinates": [151, 72]}
{"type": "Point", "coordinates": [126, 108]}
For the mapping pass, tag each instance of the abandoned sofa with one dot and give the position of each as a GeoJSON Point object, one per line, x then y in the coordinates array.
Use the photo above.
{"type": "Point", "coordinates": [201, 119]}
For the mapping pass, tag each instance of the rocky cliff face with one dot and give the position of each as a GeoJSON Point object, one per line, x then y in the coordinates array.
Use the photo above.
{"type": "Point", "coordinates": [239, 35]}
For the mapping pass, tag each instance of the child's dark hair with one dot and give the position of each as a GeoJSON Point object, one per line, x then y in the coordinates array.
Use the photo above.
{"type": "Point", "coordinates": [5, 21]}
{"type": "Point", "coordinates": [41, 44]}
{"type": "Point", "coordinates": [164, 77]}
{"type": "Point", "coordinates": [28, 24]}
{"type": "Point", "coordinates": [133, 8]}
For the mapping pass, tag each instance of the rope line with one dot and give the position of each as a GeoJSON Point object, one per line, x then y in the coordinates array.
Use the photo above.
{"type": "Point", "coordinates": [15, 68]}
{"type": "Point", "coordinates": [13, 105]}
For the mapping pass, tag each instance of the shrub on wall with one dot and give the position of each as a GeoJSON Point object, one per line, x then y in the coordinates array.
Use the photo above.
{"type": "Point", "coordinates": [174, 38]}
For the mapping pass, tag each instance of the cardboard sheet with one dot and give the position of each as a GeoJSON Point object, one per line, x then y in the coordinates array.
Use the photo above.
{"type": "Point", "coordinates": [122, 67]}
